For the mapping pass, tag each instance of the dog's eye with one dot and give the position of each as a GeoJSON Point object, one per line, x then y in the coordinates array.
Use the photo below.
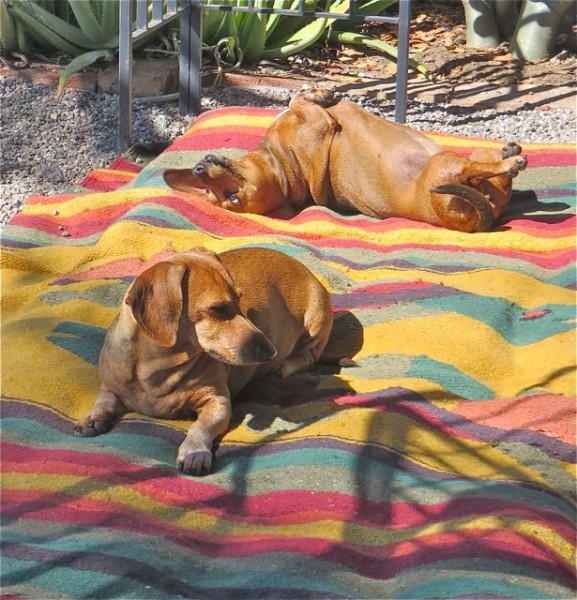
{"type": "Point", "coordinates": [222, 311]}
{"type": "Point", "coordinates": [233, 199]}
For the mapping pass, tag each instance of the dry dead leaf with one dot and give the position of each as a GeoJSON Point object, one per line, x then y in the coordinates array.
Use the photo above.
{"type": "Point", "coordinates": [504, 57]}
{"type": "Point", "coordinates": [390, 69]}
{"type": "Point", "coordinates": [348, 51]}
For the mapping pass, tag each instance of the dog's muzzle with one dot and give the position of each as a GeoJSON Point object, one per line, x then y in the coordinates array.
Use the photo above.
{"type": "Point", "coordinates": [259, 349]}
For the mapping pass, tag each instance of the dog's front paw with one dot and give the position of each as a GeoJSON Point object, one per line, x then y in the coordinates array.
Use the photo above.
{"type": "Point", "coordinates": [194, 457]}
{"type": "Point", "coordinates": [324, 97]}
{"type": "Point", "coordinates": [89, 427]}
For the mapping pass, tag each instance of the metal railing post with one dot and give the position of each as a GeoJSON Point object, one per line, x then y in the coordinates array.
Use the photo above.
{"type": "Point", "coordinates": [402, 60]}
{"type": "Point", "coordinates": [190, 59]}
{"type": "Point", "coordinates": [125, 77]}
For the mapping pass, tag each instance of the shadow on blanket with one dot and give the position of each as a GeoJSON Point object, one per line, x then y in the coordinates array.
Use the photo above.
{"type": "Point", "coordinates": [440, 465]}
{"type": "Point", "coordinates": [527, 204]}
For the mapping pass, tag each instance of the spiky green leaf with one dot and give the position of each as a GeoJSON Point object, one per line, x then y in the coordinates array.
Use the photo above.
{"type": "Point", "coordinates": [79, 63]}
{"type": "Point", "coordinates": [88, 22]}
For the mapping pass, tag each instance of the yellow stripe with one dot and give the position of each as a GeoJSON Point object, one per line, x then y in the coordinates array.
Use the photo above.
{"type": "Point", "coordinates": [94, 200]}
{"type": "Point", "coordinates": [477, 350]}
{"type": "Point", "coordinates": [441, 238]}
{"type": "Point", "coordinates": [448, 140]}
{"type": "Point", "coordinates": [231, 120]}
{"type": "Point", "coordinates": [428, 447]}
{"type": "Point", "coordinates": [319, 227]}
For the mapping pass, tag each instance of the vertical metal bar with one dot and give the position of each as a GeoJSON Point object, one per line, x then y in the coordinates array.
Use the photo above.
{"type": "Point", "coordinates": [402, 61]}
{"type": "Point", "coordinates": [190, 59]}
{"type": "Point", "coordinates": [125, 76]}
{"type": "Point", "coordinates": [301, 8]}
{"type": "Point", "coordinates": [141, 13]}
{"type": "Point", "coordinates": [157, 10]}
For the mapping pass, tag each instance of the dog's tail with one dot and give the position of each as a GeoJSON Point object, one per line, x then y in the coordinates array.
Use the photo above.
{"type": "Point", "coordinates": [475, 199]}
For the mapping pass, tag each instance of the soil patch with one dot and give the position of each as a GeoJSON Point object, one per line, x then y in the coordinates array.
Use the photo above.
{"type": "Point", "coordinates": [438, 42]}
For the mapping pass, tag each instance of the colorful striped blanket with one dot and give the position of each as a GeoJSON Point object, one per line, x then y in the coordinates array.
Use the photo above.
{"type": "Point", "coordinates": [442, 465]}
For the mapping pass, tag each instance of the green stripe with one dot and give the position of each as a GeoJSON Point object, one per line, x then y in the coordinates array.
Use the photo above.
{"type": "Point", "coordinates": [505, 317]}
{"type": "Point", "coordinates": [506, 586]}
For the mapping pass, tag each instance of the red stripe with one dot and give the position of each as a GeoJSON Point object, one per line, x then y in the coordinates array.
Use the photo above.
{"type": "Point", "coordinates": [217, 139]}
{"type": "Point", "coordinates": [54, 199]}
{"type": "Point", "coordinates": [281, 507]}
{"type": "Point", "coordinates": [545, 157]}
{"type": "Point", "coordinates": [228, 224]}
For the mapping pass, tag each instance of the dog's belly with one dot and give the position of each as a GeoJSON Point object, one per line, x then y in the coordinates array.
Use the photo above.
{"type": "Point", "coordinates": [373, 180]}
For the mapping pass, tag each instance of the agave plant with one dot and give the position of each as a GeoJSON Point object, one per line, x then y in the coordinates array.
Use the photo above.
{"type": "Point", "coordinates": [88, 30]}
{"type": "Point", "coordinates": [250, 37]}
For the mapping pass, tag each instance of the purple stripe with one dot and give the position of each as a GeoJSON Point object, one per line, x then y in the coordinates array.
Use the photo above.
{"type": "Point", "coordinates": [358, 300]}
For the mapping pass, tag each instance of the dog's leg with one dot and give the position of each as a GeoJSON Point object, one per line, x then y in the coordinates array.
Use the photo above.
{"type": "Point", "coordinates": [107, 408]}
{"type": "Point", "coordinates": [498, 189]}
{"type": "Point", "coordinates": [475, 171]}
{"type": "Point", "coordinates": [306, 355]}
{"type": "Point", "coordinates": [458, 191]}
{"type": "Point", "coordinates": [195, 453]}
{"type": "Point", "coordinates": [298, 362]}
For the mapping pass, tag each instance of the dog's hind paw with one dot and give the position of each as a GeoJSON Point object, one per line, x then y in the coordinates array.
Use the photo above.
{"type": "Point", "coordinates": [511, 149]}
{"type": "Point", "coordinates": [519, 165]}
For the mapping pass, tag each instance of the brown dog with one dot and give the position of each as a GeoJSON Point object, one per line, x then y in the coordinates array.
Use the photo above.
{"type": "Point", "coordinates": [195, 329]}
{"type": "Point", "coordinates": [336, 154]}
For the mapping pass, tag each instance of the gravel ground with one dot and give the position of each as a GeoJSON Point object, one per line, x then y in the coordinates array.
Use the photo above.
{"type": "Point", "coordinates": [49, 146]}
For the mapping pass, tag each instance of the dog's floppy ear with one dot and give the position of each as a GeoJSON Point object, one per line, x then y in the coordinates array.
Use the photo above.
{"type": "Point", "coordinates": [156, 301]}
{"type": "Point", "coordinates": [180, 179]}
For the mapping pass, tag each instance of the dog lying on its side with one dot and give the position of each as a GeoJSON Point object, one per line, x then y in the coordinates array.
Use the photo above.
{"type": "Point", "coordinates": [193, 330]}
{"type": "Point", "coordinates": [334, 153]}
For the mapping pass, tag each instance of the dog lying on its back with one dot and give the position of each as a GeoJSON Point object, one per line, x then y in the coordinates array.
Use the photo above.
{"type": "Point", "coordinates": [193, 330]}
{"type": "Point", "coordinates": [334, 153]}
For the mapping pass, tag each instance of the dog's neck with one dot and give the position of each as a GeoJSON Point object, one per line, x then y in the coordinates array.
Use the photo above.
{"type": "Point", "coordinates": [285, 174]}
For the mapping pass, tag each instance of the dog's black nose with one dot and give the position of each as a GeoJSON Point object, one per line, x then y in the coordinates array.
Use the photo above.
{"type": "Point", "coordinates": [199, 169]}
{"type": "Point", "coordinates": [261, 349]}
